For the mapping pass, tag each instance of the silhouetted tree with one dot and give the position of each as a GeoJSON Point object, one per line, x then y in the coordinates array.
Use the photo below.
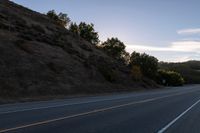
{"type": "Point", "coordinates": [86, 31]}
{"type": "Point", "coordinates": [115, 48]}
{"type": "Point", "coordinates": [64, 20]}
{"type": "Point", "coordinates": [147, 63]}
{"type": "Point", "coordinates": [126, 57]}
{"type": "Point", "coordinates": [61, 19]}
{"type": "Point", "coordinates": [52, 14]}
{"type": "Point", "coordinates": [74, 28]}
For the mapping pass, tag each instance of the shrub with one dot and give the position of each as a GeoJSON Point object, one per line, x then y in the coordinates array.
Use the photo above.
{"type": "Point", "coordinates": [86, 31]}
{"type": "Point", "coordinates": [61, 18]}
{"type": "Point", "coordinates": [169, 78]}
{"type": "Point", "coordinates": [136, 73]}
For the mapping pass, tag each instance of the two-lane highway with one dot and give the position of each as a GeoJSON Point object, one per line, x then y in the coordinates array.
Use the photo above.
{"type": "Point", "coordinates": [174, 110]}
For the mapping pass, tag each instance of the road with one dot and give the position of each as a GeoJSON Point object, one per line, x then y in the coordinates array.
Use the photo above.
{"type": "Point", "coordinates": [169, 110]}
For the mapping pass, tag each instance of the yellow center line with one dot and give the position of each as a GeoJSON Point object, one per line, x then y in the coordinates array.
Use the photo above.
{"type": "Point", "coordinates": [89, 112]}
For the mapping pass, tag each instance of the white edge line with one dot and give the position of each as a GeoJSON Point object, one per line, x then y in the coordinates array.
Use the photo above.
{"type": "Point", "coordinates": [70, 104]}
{"type": "Point", "coordinates": [75, 115]}
{"type": "Point", "coordinates": [86, 113]}
{"type": "Point", "coordinates": [62, 105]}
{"type": "Point", "coordinates": [177, 118]}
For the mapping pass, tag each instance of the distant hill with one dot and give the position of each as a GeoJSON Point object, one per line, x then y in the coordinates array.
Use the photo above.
{"type": "Point", "coordinates": [39, 57]}
{"type": "Point", "coordinates": [190, 70]}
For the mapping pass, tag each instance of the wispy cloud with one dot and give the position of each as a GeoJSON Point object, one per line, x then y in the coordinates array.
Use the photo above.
{"type": "Point", "coordinates": [175, 52]}
{"type": "Point", "coordinates": [186, 46]}
{"type": "Point", "coordinates": [147, 48]}
{"type": "Point", "coordinates": [179, 46]}
{"type": "Point", "coordinates": [189, 31]}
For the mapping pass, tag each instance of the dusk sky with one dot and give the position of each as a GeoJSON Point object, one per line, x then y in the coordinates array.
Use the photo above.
{"type": "Point", "coordinates": [166, 29]}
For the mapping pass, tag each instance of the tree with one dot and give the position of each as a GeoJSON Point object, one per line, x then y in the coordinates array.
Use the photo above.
{"type": "Point", "coordinates": [86, 31]}
{"type": "Point", "coordinates": [52, 14]}
{"type": "Point", "coordinates": [126, 57]}
{"type": "Point", "coordinates": [74, 28]}
{"type": "Point", "coordinates": [61, 19]}
{"type": "Point", "coordinates": [115, 48]}
{"type": "Point", "coordinates": [148, 64]}
{"type": "Point", "coordinates": [64, 20]}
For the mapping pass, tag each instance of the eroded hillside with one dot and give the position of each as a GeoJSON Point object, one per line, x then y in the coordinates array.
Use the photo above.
{"type": "Point", "coordinates": [38, 57]}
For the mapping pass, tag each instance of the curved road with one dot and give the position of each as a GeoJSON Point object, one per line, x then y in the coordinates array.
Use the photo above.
{"type": "Point", "coordinates": [170, 110]}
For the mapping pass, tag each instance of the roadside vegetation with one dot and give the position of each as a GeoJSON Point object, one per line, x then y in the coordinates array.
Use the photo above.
{"type": "Point", "coordinates": [169, 78]}
{"type": "Point", "coordinates": [141, 65]}
{"type": "Point", "coordinates": [189, 70]}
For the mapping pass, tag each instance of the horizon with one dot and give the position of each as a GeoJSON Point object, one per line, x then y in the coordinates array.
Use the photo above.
{"type": "Point", "coordinates": [162, 29]}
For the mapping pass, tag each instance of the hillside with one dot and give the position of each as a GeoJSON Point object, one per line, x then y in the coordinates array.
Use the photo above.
{"type": "Point", "coordinates": [189, 70]}
{"type": "Point", "coordinates": [38, 57]}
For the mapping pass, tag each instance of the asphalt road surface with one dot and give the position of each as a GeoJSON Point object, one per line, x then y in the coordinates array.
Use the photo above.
{"type": "Point", "coordinates": [170, 110]}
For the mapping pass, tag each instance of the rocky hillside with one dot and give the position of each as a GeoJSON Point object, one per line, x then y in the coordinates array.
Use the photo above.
{"type": "Point", "coordinates": [38, 57]}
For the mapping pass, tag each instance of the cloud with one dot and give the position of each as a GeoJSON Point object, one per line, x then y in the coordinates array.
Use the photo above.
{"type": "Point", "coordinates": [147, 48]}
{"type": "Point", "coordinates": [189, 31]}
{"type": "Point", "coordinates": [186, 46]}
{"type": "Point", "coordinates": [186, 58]}
{"type": "Point", "coordinates": [179, 46]}
{"type": "Point", "coordinates": [178, 51]}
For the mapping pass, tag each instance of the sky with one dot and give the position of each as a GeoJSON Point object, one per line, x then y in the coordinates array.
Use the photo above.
{"type": "Point", "coordinates": [166, 29]}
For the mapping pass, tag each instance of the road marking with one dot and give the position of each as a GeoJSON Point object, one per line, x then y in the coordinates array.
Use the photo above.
{"type": "Point", "coordinates": [87, 113]}
{"type": "Point", "coordinates": [73, 116]}
{"type": "Point", "coordinates": [70, 104]}
{"type": "Point", "coordinates": [177, 118]}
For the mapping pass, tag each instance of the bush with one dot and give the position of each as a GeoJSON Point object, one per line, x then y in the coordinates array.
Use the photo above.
{"type": "Point", "coordinates": [86, 31]}
{"type": "Point", "coordinates": [61, 18]}
{"type": "Point", "coordinates": [169, 78]}
{"type": "Point", "coordinates": [136, 73]}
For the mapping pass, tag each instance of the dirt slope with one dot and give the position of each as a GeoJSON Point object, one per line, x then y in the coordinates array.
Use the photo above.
{"type": "Point", "coordinates": [37, 57]}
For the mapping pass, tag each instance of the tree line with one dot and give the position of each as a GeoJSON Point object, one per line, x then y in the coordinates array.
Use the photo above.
{"type": "Point", "coordinates": [141, 64]}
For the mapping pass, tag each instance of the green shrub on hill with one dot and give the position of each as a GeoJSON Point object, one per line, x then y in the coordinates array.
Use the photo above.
{"type": "Point", "coordinates": [61, 18]}
{"type": "Point", "coordinates": [86, 31]}
{"type": "Point", "coordinates": [169, 78]}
